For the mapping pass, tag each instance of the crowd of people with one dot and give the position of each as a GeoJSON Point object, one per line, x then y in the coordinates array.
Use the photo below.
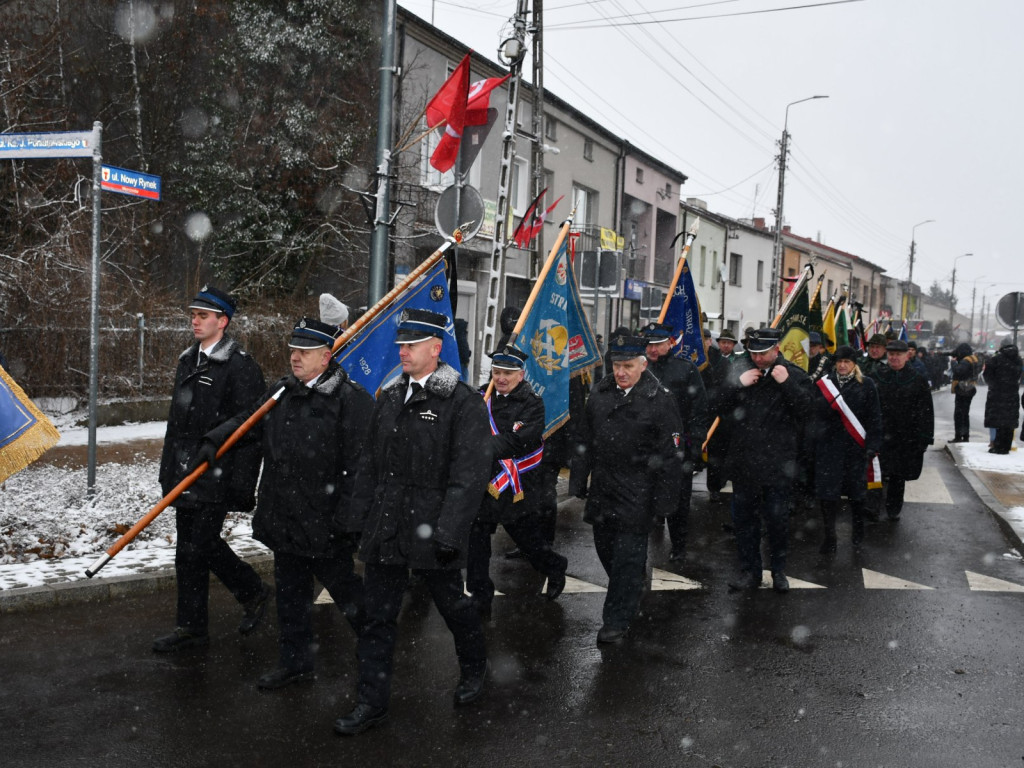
{"type": "Point", "coordinates": [415, 484]}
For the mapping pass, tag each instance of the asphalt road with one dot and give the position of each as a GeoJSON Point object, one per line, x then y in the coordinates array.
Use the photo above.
{"type": "Point", "coordinates": [903, 656]}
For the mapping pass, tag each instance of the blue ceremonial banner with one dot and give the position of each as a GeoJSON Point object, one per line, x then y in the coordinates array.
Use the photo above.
{"type": "Point", "coordinates": [558, 340]}
{"type": "Point", "coordinates": [684, 317]}
{"type": "Point", "coordinates": [371, 358]}
{"type": "Point", "coordinates": [25, 433]}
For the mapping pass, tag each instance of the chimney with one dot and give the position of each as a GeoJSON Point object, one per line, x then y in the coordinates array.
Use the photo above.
{"type": "Point", "coordinates": [696, 202]}
{"type": "Point", "coordinates": [759, 223]}
{"type": "Point", "coordinates": [786, 229]}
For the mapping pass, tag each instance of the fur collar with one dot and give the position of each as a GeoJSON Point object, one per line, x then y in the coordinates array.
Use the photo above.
{"type": "Point", "coordinates": [647, 386]}
{"type": "Point", "coordinates": [221, 353]}
{"type": "Point", "coordinates": [442, 382]}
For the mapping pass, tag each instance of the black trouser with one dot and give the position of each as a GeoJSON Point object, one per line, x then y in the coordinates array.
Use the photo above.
{"type": "Point", "coordinates": [1004, 440]}
{"type": "Point", "coordinates": [679, 523]}
{"type": "Point", "coordinates": [201, 551]}
{"type": "Point", "coordinates": [293, 577]}
{"type": "Point", "coordinates": [547, 502]}
{"type": "Point", "coordinates": [526, 533]}
{"type": "Point", "coordinates": [623, 553]}
{"type": "Point", "coordinates": [895, 487]}
{"type": "Point", "coordinates": [962, 416]}
{"type": "Point", "coordinates": [385, 586]}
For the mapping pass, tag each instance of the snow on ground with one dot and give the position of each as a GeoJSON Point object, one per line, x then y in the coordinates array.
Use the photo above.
{"type": "Point", "coordinates": [121, 434]}
{"type": "Point", "coordinates": [976, 456]}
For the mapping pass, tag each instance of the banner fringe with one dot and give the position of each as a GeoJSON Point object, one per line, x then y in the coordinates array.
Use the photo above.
{"type": "Point", "coordinates": [30, 445]}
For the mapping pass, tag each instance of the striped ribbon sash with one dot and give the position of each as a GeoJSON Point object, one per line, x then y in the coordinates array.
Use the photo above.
{"type": "Point", "coordinates": [511, 469]}
{"type": "Point", "coordinates": [853, 426]}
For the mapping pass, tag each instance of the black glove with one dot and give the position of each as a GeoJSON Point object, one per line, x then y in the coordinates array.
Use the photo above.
{"type": "Point", "coordinates": [207, 452]}
{"type": "Point", "coordinates": [445, 553]}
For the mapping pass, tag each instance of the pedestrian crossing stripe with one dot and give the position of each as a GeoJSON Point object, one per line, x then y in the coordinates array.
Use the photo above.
{"type": "Point", "coordinates": [794, 583]}
{"type": "Point", "coordinates": [661, 580]}
{"type": "Point", "coordinates": [928, 488]}
{"type": "Point", "coordinates": [579, 586]}
{"type": "Point", "coordinates": [980, 583]}
{"type": "Point", "coordinates": [876, 580]}
{"type": "Point", "coordinates": [324, 598]}
{"type": "Point", "coordinates": [467, 593]}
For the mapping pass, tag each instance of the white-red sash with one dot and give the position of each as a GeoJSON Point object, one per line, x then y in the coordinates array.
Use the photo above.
{"type": "Point", "coordinates": [852, 424]}
{"type": "Point", "coordinates": [511, 469]}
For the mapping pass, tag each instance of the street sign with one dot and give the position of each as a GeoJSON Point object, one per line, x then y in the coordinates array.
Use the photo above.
{"type": "Point", "coordinates": [56, 144]}
{"type": "Point", "coordinates": [126, 182]}
{"type": "Point", "coordinates": [471, 208]}
{"type": "Point", "coordinates": [1010, 310]}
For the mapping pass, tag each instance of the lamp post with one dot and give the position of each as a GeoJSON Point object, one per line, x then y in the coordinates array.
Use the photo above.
{"type": "Point", "coordinates": [773, 295]}
{"type": "Point", "coordinates": [952, 292]}
{"type": "Point", "coordinates": [910, 273]}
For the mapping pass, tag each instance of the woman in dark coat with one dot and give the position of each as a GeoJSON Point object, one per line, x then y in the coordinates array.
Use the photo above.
{"type": "Point", "coordinates": [908, 424]}
{"type": "Point", "coordinates": [965, 374]}
{"type": "Point", "coordinates": [1002, 374]}
{"type": "Point", "coordinates": [841, 459]}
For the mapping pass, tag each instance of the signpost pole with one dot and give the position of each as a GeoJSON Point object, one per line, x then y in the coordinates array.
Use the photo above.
{"type": "Point", "coordinates": [94, 306]}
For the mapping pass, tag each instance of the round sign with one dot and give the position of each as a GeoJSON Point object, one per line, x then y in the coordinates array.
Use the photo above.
{"type": "Point", "coordinates": [1010, 310]}
{"type": "Point", "coordinates": [471, 209]}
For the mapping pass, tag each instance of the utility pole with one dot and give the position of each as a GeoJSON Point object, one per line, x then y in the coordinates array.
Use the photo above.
{"type": "Point", "coordinates": [537, 148]}
{"type": "Point", "coordinates": [511, 53]}
{"type": "Point", "coordinates": [910, 273]}
{"type": "Point", "coordinates": [379, 242]}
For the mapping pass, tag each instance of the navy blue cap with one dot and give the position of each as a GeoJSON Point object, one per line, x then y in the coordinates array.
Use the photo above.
{"type": "Point", "coordinates": [655, 333]}
{"type": "Point", "coordinates": [419, 325]}
{"type": "Point", "coordinates": [312, 334]}
{"type": "Point", "coordinates": [762, 339]}
{"type": "Point", "coordinates": [509, 359]}
{"type": "Point", "coordinates": [625, 346]}
{"type": "Point", "coordinates": [814, 338]}
{"type": "Point", "coordinates": [896, 345]}
{"type": "Point", "coordinates": [215, 300]}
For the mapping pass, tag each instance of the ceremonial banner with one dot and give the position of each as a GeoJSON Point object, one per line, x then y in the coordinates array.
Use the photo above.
{"type": "Point", "coordinates": [371, 358]}
{"type": "Point", "coordinates": [449, 107]}
{"type": "Point", "coordinates": [795, 343]}
{"type": "Point", "coordinates": [828, 326]}
{"type": "Point", "coordinates": [25, 433]}
{"type": "Point", "coordinates": [842, 336]}
{"type": "Point", "coordinates": [558, 339]}
{"type": "Point", "coordinates": [814, 317]}
{"type": "Point", "coordinates": [684, 316]}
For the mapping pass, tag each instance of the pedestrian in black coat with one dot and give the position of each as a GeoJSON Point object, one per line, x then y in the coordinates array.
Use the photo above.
{"type": "Point", "coordinates": [426, 471]}
{"type": "Point", "coordinates": [683, 380]}
{"type": "Point", "coordinates": [514, 493]}
{"type": "Point", "coordinates": [847, 435]}
{"type": "Point", "coordinates": [1002, 412]}
{"type": "Point", "coordinates": [765, 404]}
{"type": "Point", "coordinates": [908, 424]}
{"type": "Point", "coordinates": [312, 446]}
{"type": "Point", "coordinates": [964, 372]}
{"type": "Point", "coordinates": [714, 375]}
{"type": "Point", "coordinates": [214, 380]}
{"type": "Point", "coordinates": [630, 456]}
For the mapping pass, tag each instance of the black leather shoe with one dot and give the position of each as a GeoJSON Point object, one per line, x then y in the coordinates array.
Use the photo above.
{"type": "Point", "coordinates": [254, 610]}
{"type": "Point", "coordinates": [362, 718]}
{"type": "Point", "coordinates": [282, 676]}
{"type": "Point", "coordinates": [748, 581]}
{"type": "Point", "coordinates": [611, 635]}
{"type": "Point", "coordinates": [470, 688]}
{"type": "Point", "coordinates": [555, 586]}
{"type": "Point", "coordinates": [779, 582]}
{"type": "Point", "coordinates": [180, 639]}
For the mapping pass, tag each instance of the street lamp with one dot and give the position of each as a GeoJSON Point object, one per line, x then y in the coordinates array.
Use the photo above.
{"type": "Point", "coordinates": [910, 274]}
{"type": "Point", "coordinates": [952, 292]}
{"type": "Point", "coordinates": [773, 295]}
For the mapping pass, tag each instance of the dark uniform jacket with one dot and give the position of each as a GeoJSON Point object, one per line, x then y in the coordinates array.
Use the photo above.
{"type": "Point", "coordinates": [840, 463]}
{"type": "Point", "coordinates": [868, 365]}
{"type": "Point", "coordinates": [683, 380]}
{"type": "Point", "coordinates": [908, 421]}
{"type": "Point", "coordinates": [630, 450]}
{"type": "Point", "coordinates": [715, 374]}
{"type": "Point", "coordinates": [312, 444]}
{"type": "Point", "coordinates": [765, 424]}
{"type": "Point", "coordinates": [819, 366]}
{"type": "Point", "coordinates": [425, 473]}
{"type": "Point", "coordinates": [205, 396]}
{"type": "Point", "coordinates": [1002, 374]}
{"type": "Point", "coordinates": [519, 417]}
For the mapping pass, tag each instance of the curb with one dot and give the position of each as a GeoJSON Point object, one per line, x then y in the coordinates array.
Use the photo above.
{"type": "Point", "coordinates": [994, 506]}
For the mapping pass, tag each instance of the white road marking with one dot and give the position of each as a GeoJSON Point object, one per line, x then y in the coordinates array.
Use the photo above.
{"type": "Point", "coordinates": [794, 583]}
{"type": "Point", "coordinates": [578, 585]}
{"type": "Point", "coordinates": [928, 488]}
{"type": "Point", "coordinates": [667, 580]}
{"type": "Point", "coordinates": [980, 583]}
{"type": "Point", "coordinates": [876, 580]}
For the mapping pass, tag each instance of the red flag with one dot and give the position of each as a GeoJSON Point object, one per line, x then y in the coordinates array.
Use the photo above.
{"type": "Point", "coordinates": [449, 106]}
{"type": "Point", "coordinates": [519, 236]}
{"type": "Point", "coordinates": [525, 237]}
{"type": "Point", "coordinates": [479, 100]}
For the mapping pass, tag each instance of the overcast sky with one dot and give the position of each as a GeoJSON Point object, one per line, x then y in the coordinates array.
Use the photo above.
{"type": "Point", "coordinates": [923, 119]}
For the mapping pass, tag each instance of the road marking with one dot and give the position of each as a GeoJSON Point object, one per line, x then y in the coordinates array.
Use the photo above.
{"type": "Point", "coordinates": [928, 488]}
{"type": "Point", "coordinates": [794, 583]}
{"type": "Point", "coordinates": [667, 580]}
{"type": "Point", "coordinates": [876, 580]}
{"type": "Point", "coordinates": [324, 598]}
{"type": "Point", "coordinates": [578, 585]}
{"type": "Point", "coordinates": [980, 583]}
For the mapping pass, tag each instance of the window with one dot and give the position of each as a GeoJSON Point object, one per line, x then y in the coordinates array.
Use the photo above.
{"type": "Point", "coordinates": [703, 262]}
{"type": "Point", "coordinates": [829, 294]}
{"type": "Point", "coordinates": [760, 275]}
{"type": "Point", "coordinates": [550, 128]}
{"type": "Point", "coordinates": [639, 175]}
{"type": "Point", "coordinates": [715, 273]}
{"type": "Point", "coordinates": [519, 187]}
{"type": "Point", "coordinates": [586, 213]}
{"type": "Point", "coordinates": [588, 149]}
{"type": "Point", "coordinates": [735, 269]}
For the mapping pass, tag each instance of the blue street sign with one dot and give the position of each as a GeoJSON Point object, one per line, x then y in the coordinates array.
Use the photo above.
{"type": "Point", "coordinates": [127, 182]}
{"type": "Point", "coordinates": [60, 144]}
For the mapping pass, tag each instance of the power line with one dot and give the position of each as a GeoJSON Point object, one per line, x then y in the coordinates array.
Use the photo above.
{"type": "Point", "coordinates": [573, 26]}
